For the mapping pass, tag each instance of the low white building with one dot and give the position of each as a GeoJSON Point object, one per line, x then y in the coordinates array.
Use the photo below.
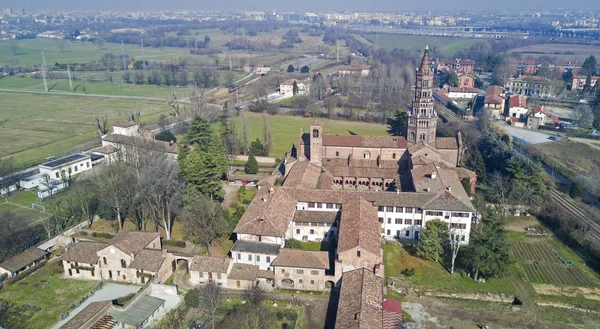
{"type": "Point", "coordinates": [205, 269]}
{"type": "Point", "coordinates": [66, 167]}
{"type": "Point", "coordinates": [255, 253]}
{"type": "Point", "coordinates": [517, 106]}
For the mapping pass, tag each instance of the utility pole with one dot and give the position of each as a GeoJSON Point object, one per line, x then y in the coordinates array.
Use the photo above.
{"type": "Point", "coordinates": [123, 56]}
{"type": "Point", "coordinates": [230, 64]}
{"type": "Point", "coordinates": [337, 57]}
{"type": "Point", "coordinates": [44, 71]}
{"type": "Point", "coordinates": [69, 74]}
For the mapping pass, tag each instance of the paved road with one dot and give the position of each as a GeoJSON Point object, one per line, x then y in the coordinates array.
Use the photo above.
{"type": "Point", "coordinates": [109, 291]}
{"type": "Point", "coordinates": [526, 135]}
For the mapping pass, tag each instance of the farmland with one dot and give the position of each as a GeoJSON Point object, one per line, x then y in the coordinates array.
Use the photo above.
{"type": "Point", "coordinates": [446, 45]}
{"type": "Point", "coordinates": [569, 157]}
{"type": "Point", "coordinates": [560, 51]}
{"type": "Point", "coordinates": [535, 251]}
{"type": "Point", "coordinates": [557, 275]}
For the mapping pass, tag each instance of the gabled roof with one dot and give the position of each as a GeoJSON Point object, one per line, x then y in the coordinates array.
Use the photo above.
{"type": "Point", "coordinates": [539, 109]}
{"type": "Point", "coordinates": [256, 247]}
{"type": "Point", "coordinates": [148, 260]}
{"type": "Point", "coordinates": [302, 258]}
{"type": "Point", "coordinates": [307, 216]}
{"type": "Point", "coordinates": [23, 259]}
{"type": "Point", "coordinates": [124, 124]}
{"type": "Point", "coordinates": [493, 95]}
{"type": "Point", "coordinates": [360, 299]}
{"type": "Point", "coordinates": [84, 252]}
{"type": "Point", "coordinates": [303, 174]}
{"type": "Point", "coordinates": [106, 149]}
{"type": "Point", "coordinates": [210, 264]}
{"type": "Point", "coordinates": [247, 272]}
{"type": "Point", "coordinates": [449, 194]}
{"type": "Point", "coordinates": [517, 101]}
{"type": "Point", "coordinates": [446, 143]}
{"type": "Point", "coordinates": [132, 242]}
{"type": "Point", "coordinates": [145, 143]}
{"type": "Point", "coordinates": [398, 142]}
{"type": "Point", "coordinates": [269, 214]}
{"type": "Point", "coordinates": [392, 314]}
{"type": "Point", "coordinates": [88, 314]}
{"type": "Point", "coordinates": [359, 227]}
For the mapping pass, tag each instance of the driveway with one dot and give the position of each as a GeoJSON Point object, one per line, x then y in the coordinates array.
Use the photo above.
{"type": "Point", "coordinates": [109, 291]}
{"type": "Point", "coordinates": [526, 135]}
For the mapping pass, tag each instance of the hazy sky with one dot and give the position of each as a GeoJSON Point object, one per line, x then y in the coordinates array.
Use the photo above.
{"type": "Point", "coordinates": [306, 5]}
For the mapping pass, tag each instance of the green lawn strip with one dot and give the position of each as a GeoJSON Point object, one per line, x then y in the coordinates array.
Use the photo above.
{"type": "Point", "coordinates": [433, 276]}
{"type": "Point", "coordinates": [446, 45]}
{"type": "Point", "coordinates": [285, 129]}
{"type": "Point", "coordinates": [311, 246]}
{"type": "Point", "coordinates": [47, 290]}
{"type": "Point", "coordinates": [575, 301]}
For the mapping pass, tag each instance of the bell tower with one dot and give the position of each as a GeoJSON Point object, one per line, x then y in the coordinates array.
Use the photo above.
{"type": "Point", "coordinates": [316, 142]}
{"type": "Point", "coordinates": [422, 118]}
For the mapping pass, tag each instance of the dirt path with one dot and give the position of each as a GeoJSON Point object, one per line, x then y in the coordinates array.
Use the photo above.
{"type": "Point", "coordinates": [230, 194]}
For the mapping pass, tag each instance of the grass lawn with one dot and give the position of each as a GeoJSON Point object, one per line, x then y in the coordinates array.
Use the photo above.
{"type": "Point", "coordinates": [285, 129]}
{"type": "Point", "coordinates": [103, 225]}
{"type": "Point", "coordinates": [43, 125]}
{"type": "Point", "coordinates": [445, 45]}
{"type": "Point", "coordinates": [573, 158]}
{"type": "Point", "coordinates": [434, 276]}
{"type": "Point", "coordinates": [46, 290]}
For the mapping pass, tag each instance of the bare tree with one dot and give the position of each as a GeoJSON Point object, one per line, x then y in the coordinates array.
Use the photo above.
{"type": "Point", "coordinates": [583, 116]}
{"type": "Point", "coordinates": [211, 298]}
{"type": "Point", "coordinates": [499, 189]}
{"type": "Point", "coordinates": [102, 125]}
{"type": "Point", "coordinates": [455, 240]}
{"type": "Point", "coordinates": [100, 43]}
{"type": "Point", "coordinates": [48, 182]}
{"type": "Point", "coordinates": [204, 221]}
{"type": "Point", "coordinates": [198, 103]}
{"type": "Point", "coordinates": [255, 293]}
{"type": "Point", "coordinates": [176, 108]}
{"type": "Point", "coordinates": [175, 319]}
{"type": "Point", "coordinates": [266, 133]}
{"type": "Point", "coordinates": [245, 140]}
{"type": "Point", "coordinates": [14, 46]}
{"type": "Point", "coordinates": [162, 189]}
{"type": "Point", "coordinates": [61, 45]}
{"type": "Point", "coordinates": [85, 199]}
{"type": "Point", "coordinates": [115, 185]}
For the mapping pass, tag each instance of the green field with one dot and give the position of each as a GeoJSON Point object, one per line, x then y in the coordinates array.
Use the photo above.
{"type": "Point", "coordinates": [46, 290]}
{"type": "Point", "coordinates": [445, 45]}
{"type": "Point", "coordinates": [30, 52]}
{"type": "Point", "coordinates": [41, 125]}
{"type": "Point", "coordinates": [285, 129]}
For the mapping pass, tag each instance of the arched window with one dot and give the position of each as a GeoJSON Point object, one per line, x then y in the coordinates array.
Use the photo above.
{"type": "Point", "coordinates": [104, 260]}
{"type": "Point", "coordinates": [367, 155]}
{"type": "Point", "coordinates": [316, 133]}
{"type": "Point", "coordinates": [422, 137]}
{"type": "Point", "coordinates": [394, 156]}
{"type": "Point", "coordinates": [337, 154]}
{"type": "Point", "coordinates": [123, 263]}
{"type": "Point", "coordinates": [411, 136]}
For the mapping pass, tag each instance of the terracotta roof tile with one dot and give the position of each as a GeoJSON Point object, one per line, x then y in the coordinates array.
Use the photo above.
{"type": "Point", "coordinates": [359, 227]}
{"type": "Point", "coordinates": [269, 214]}
{"type": "Point", "coordinates": [84, 252]}
{"type": "Point", "coordinates": [446, 143]}
{"type": "Point", "coordinates": [305, 216]}
{"type": "Point", "coordinates": [303, 174]}
{"type": "Point", "coordinates": [493, 95]}
{"type": "Point", "coordinates": [392, 314]}
{"type": "Point", "coordinates": [23, 259]}
{"type": "Point", "coordinates": [302, 258]}
{"type": "Point", "coordinates": [210, 264]}
{"type": "Point", "coordinates": [245, 272]}
{"type": "Point", "coordinates": [148, 260]}
{"type": "Point", "coordinates": [517, 101]}
{"type": "Point", "coordinates": [132, 242]}
{"type": "Point", "coordinates": [106, 149]}
{"type": "Point", "coordinates": [86, 315]}
{"type": "Point", "coordinates": [360, 299]}
{"type": "Point", "coordinates": [145, 143]}
{"type": "Point", "coordinates": [124, 124]}
{"type": "Point", "coordinates": [364, 141]}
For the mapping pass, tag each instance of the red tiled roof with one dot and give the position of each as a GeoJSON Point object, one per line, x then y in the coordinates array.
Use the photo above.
{"type": "Point", "coordinates": [132, 242]}
{"type": "Point", "coordinates": [302, 258]}
{"type": "Point", "coordinates": [539, 108]}
{"type": "Point", "coordinates": [145, 143]}
{"type": "Point", "coordinates": [517, 101]}
{"type": "Point", "coordinates": [148, 260]}
{"type": "Point", "coordinates": [493, 95]}
{"type": "Point", "coordinates": [364, 141]}
{"type": "Point", "coordinates": [392, 314]}
{"type": "Point", "coordinates": [84, 252]}
{"type": "Point", "coordinates": [359, 227]}
{"type": "Point", "coordinates": [446, 143]}
{"type": "Point", "coordinates": [359, 304]}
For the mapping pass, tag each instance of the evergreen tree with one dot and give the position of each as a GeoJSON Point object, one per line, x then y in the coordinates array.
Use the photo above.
{"type": "Point", "coordinates": [266, 133]}
{"type": "Point", "coordinates": [200, 134]}
{"type": "Point", "coordinates": [305, 69]}
{"type": "Point", "coordinates": [476, 163]}
{"type": "Point", "coordinates": [434, 240]}
{"type": "Point", "coordinates": [204, 170]}
{"type": "Point", "coordinates": [257, 148]}
{"type": "Point", "coordinates": [589, 66]}
{"type": "Point", "coordinates": [291, 68]}
{"type": "Point", "coordinates": [252, 165]}
{"type": "Point", "coordinates": [295, 88]}
{"type": "Point", "coordinates": [398, 124]}
{"type": "Point", "coordinates": [166, 136]}
{"type": "Point", "coordinates": [488, 250]}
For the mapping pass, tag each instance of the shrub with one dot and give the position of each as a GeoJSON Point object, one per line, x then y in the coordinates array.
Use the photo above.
{"type": "Point", "coordinates": [166, 136]}
{"type": "Point", "coordinates": [409, 271]}
{"type": "Point", "coordinates": [173, 243]}
{"type": "Point", "coordinates": [252, 165]}
{"type": "Point", "coordinates": [84, 233]}
{"type": "Point", "coordinates": [103, 235]}
{"type": "Point", "coordinates": [293, 244]}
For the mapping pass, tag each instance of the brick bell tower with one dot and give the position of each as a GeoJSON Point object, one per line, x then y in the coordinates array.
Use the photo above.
{"type": "Point", "coordinates": [422, 118]}
{"type": "Point", "coordinates": [316, 142]}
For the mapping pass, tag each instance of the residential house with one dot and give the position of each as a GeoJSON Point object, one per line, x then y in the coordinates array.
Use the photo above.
{"type": "Point", "coordinates": [458, 65]}
{"type": "Point", "coordinates": [315, 225]}
{"type": "Point", "coordinates": [243, 276]}
{"type": "Point", "coordinates": [256, 253]}
{"type": "Point", "coordinates": [466, 80]}
{"type": "Point", "coordinates": [204, 269]}
{"type": "Point", "coordinates": [579, 82]}
{"type": "Point", "coordinates": [302, 270]}
{"type": "Point", "coordinates": [462, 92]}
{"type": "Point", "coordinates": [517, 106]}
{"type": "Point", "coordinates": [530, 86]}
{"type": "Point", "coordinates": [82, 261]}
{"type": "Point", "coordinates": [493, 102]}
{"type": "Point", "coordinates": [258, 69]}
{"type": "Point", "coordinates": [360, 70]}
{"type": "Point", "coordinates": [66, 167]}
{"type": "Point", "coordinates": [287, 87]}
{"type": "Point", "coordinates": [538, 117]}
{"type": "Point", "coordinates": [126, 142]}
{"type": "Point", "coordinates": [24, 260]}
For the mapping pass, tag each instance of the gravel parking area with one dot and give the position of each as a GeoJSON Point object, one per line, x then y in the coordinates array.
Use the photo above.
{"type": "Point", "coordinates": [528, 136]}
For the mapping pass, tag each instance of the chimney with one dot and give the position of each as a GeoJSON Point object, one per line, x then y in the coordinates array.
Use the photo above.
{"type": "Point", "coordinates": [448, 188]}
{"type": "Point", "coordinates": [433, 175]}
{"type": "Point", "coordinates": [171, 143]}
{"type": "Point", "coordinates": [271, 190]}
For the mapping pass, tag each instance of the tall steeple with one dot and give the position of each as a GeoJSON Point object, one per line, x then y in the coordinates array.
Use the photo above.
{"type": "Point", "coordinates": [422, 117]}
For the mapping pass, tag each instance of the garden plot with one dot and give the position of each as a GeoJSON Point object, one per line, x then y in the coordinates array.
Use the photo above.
{"type": "Point", "coordinates": [535, 252]}
{"type": "Point", "coordinates": [557, 274]}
